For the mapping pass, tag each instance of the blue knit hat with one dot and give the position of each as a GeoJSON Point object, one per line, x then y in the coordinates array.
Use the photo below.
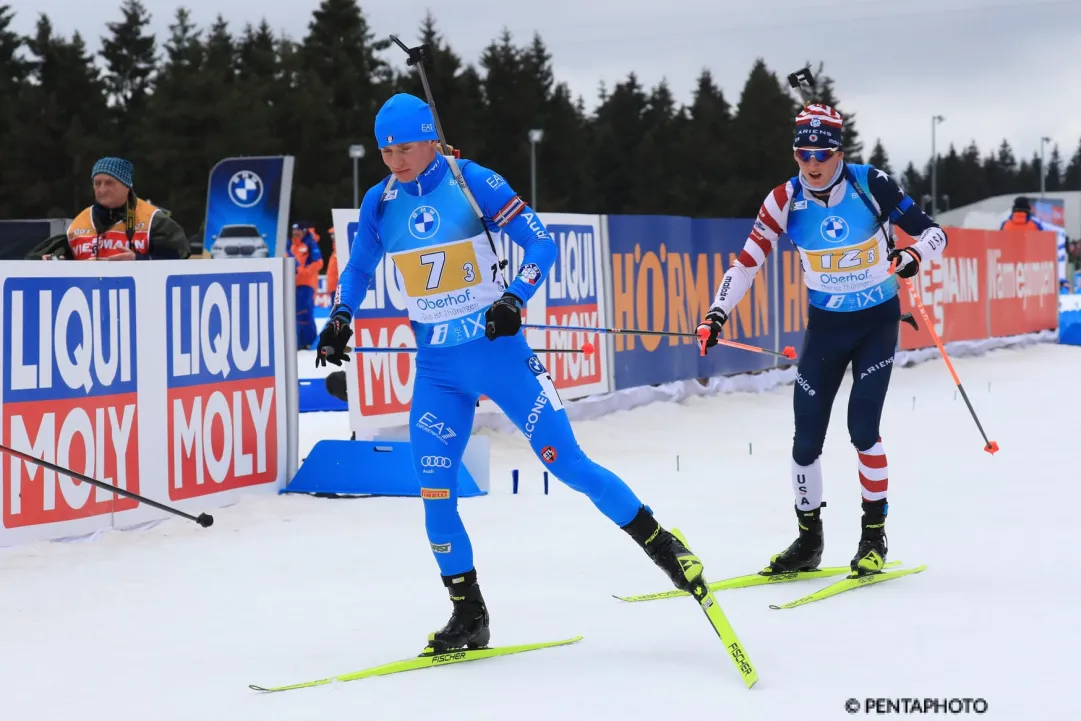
{"type": "Point", "coordinates": [404, 119]}
{"type": "Point", "coordinates": [117, 167]}
{"type": "Point", "coordinates": [819, 126]}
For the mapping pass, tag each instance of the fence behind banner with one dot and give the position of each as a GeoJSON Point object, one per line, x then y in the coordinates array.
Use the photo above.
{"type": "Point", "coordinates": [651, 272]}
{"type": "Point", "coordinates": [170, 379]}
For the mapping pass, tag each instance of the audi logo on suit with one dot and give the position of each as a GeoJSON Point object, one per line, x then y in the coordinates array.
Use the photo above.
{"type": "Point", "coordinates": [435, 462]}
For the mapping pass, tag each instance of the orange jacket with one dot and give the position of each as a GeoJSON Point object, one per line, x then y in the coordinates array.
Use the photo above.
{"type": "Point", "coordinates": [1020, 221]}
{"type": "Point", "coordinates": [307, 268]}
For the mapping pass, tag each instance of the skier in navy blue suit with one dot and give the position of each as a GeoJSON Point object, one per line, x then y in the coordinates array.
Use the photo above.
{"type": "Point", "coordinates": [836, 215]}
{"type": "Point", "coordinates": [467, 323]}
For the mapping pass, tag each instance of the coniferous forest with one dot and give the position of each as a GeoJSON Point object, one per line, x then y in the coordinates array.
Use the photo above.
{"type": "Point", "coordinates": [176, 105]}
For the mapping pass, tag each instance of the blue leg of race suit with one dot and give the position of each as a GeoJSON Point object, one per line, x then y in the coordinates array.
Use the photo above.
{"type": "Point", "coordinates": [440, 421]}
{"type": "Point", "coordinates": [522, 388]}
{"type": "Point", "coordinates": [864, 338]}
{"type": "Point", "coordinates": [306, 334]}
{"type": "Point", "coordinates": [872, 363]}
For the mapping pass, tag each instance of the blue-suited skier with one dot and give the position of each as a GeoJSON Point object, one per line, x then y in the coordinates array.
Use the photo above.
{"type": "Point", "coordinates": [467, 323]}
{"type": "Point", "coordinates": [836, 215]}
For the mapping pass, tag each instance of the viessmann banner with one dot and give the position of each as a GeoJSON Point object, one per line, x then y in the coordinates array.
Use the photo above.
{"type": "Point", "coordinates": [167, 379]}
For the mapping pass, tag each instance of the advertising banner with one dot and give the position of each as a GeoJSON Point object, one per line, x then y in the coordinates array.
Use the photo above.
{"type": "Point", "coordinates": [167, 379]}
{"type": "Point", "coordinates": [247, 207]}
{"type": "Point", "coordinates": [665, 273]}
{"type": "Point", "coordinates": [987, 284]}
{"type": "Point", "coordinates": [381, 384]}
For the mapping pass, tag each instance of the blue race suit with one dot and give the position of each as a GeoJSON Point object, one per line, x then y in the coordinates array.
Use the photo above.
{"type": "Point", "coordinates": [451, 276]}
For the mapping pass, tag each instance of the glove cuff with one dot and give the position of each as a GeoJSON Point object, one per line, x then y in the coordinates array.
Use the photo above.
{"type": "Point", "coordinates": [342, 314]}
{"type": "Point", "coordinates": [718, 315]}
{"type": "Point", "coordinates": [513, 297]}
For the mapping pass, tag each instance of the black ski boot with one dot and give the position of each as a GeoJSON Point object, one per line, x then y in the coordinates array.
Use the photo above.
{"type": "Point", "coordinates": [468, 624]}
{"type": "Point", "coordinates": [871, 555]}
{"type": "Point", "coordinates": [805, 553]}
{"type": "Point", "coordinates": [667, 551]}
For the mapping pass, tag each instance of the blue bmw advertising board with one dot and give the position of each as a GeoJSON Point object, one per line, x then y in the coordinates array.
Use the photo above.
{"type": "Point", "coordinates": [247, 207]}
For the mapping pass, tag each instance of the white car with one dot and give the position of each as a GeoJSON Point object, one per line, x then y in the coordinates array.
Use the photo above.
{"type": "Point", "coordinates": [239, 241]}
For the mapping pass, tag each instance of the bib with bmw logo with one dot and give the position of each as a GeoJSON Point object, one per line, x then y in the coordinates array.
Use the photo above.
{"type": "Point", "coordinates": [445, 263]}
{"type": "Point", "coordinates": [842, 249]}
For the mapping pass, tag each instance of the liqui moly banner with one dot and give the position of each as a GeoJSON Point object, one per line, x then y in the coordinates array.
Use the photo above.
{"type": "Point", "coordinates": [164, 379]}
{"type": "Point", "coordinates": [381, 384]}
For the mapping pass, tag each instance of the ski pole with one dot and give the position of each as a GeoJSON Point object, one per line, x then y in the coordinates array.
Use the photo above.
{"type": "Point", "coordinates": [789, 352]}
{"type": "Point", "coordinates": [586, 349]}
{"type": "Point", "coordinates": [204, 519]}
{"type": "Point", "coordinates": [989, 445]}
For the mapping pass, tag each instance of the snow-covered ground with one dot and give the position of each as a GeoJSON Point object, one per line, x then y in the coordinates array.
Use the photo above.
{"type": "Point", "coordinates": [174, 622]}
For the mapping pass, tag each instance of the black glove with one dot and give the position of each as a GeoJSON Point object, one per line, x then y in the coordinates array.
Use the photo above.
{"type": "Point", "coordinates": [908, 261]}
{"type": "Point", "coordinates": [712, 324]}
{"type": "Point", "coordinates": [334, 340]}
{"type": "Point", "coordinates": [504, 317]}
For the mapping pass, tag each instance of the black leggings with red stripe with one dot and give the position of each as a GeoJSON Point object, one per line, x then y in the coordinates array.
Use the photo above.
{"type": "Point", "coordinates": [866, 339]}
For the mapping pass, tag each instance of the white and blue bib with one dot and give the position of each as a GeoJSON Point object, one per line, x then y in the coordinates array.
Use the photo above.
{"type": "Point", "coordinates": [445, 263]}
{"type": "Point", "coordinates": [842, 248]}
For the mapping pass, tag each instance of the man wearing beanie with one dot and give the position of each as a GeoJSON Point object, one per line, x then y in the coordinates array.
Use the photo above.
{"type": "Point", "coordinates": [838, 216]}
{"type": "Point", "coordinates": [467, 323]}
{"type": "Point", "coordinates": [119, 225]}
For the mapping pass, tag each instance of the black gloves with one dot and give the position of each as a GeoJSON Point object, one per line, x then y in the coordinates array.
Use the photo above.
{"type": "Point", "coordinates": [504, 317]}
{"type": "Point", "coordinates": [710, 328]}
{"type": "Point", "coordinates": [908, 261]}
{"type": "Point", "coordinates": [334, 340]}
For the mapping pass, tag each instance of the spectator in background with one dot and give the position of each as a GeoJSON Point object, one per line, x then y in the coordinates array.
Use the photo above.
{"type": "Point", "coordinates": [1021, 218]}
{"type": "Point", "coordinates": [118, 226]}
{"type": "Point", "coordinates": [304, 248]}
{"type": "Point", "coordinates": [332, 266]}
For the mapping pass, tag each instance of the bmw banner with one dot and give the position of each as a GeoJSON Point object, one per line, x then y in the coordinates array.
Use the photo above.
{"type": "Point", "coordinates": [247, 207]}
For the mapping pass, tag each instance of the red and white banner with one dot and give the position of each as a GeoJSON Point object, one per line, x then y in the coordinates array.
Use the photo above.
{"type": "Point", "coordinates": [167, 379]}
{"type": "Point", "coordinates": [987, 284]}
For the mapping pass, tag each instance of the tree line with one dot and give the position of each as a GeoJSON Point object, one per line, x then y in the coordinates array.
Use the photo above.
{"type": "Point", "coordinates": [177, 105]}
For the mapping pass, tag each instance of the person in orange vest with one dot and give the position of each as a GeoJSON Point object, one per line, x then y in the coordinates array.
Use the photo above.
{"type": "Point", "coordinates": [1021, 217]}
{"type": "Point", "coordinates": [119, 225]}
{"type": "Point", "coordinates": [304, 248]}
{"type": "Point", "coordinates": [332, 266]}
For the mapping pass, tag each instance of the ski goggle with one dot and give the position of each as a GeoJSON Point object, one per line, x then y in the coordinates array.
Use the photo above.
{"type": "Point", "coordinates": [819, 154]}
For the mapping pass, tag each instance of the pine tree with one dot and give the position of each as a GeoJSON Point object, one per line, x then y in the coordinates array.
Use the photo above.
{"type": "Point", "coordinates": [130, 56]}
{"type": "Point", "coordinates": [565, 178]}
{"type": "Point", "coordinates": [339, 87]}
{"type": "Point", "coordinates": [512, 109]}
{"type": "Point", "coordinates": [703, 155]}
{"type": "Point", "coordinates": [1053, 172]}
{"type": "Point", "coordinates": [456, 88]}
{"type": "Point", "coordinates": [618, 128]}
{"type": "Point", "coordinates": [58, 130]}
{"type": "Point", "coordinates": [1071, 180]}
{"type": "Point", "coordinates": [762, 130]}
{"type": "Point", "coordinates": [1004, 170]}
{"type": "Point", "coordinates": [180, 120]}
{"type": "Point", "coordinates": [1027, 179]}
{"type": "Point", "coordinates": [879, 158]}
{"type": "Point", "coordinates": [914, 184]}
{"type": "Point", "coordinates": [973, 184]}
{"type": "Point", "coordinates": [14, 71]}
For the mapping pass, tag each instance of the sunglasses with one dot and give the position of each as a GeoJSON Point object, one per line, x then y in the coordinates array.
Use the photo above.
{"type": "Point", "coordinates": [821, 155]}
